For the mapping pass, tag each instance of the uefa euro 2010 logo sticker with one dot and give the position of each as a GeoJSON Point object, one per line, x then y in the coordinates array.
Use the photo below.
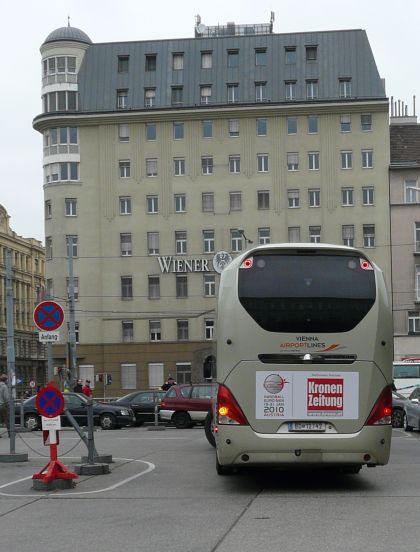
{"type": "Point", "coordinates": [274, 383]}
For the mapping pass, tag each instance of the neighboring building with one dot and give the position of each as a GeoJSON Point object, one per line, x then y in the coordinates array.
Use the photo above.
{"type": "Point", "coordinates": [160, 154]}
{"type": "Point", "coordinates": [405, 232]}
{"type": "Point", "coordinates": [28, 264]}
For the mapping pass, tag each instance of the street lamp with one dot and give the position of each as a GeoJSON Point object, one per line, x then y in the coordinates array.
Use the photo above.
{"type": "Point", "coordinates": [242, 233]}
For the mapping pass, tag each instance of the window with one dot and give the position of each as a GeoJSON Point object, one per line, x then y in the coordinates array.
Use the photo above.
{"type": "Point", "coordinates": [232, 93]}
{"type": "Point", "coordinates": [366, 121]}
{"type": "Point", "coordinates": [367, 159]}
{"type": "Point", "coordinates": [123, 133]}
{"type": "Point", "coordinates": [150, 130]}
{"type": "Point", "coordinates": [293, 199]}
{"type": "Point", "coordinates": [183, 372]}
{"type": "Point", "coordinates": [149, 97]}
{"type": "Point", "coordinates": [178, 131]}
{"type": "Point", "coordinates": [262, 162]}
{"type": "Point", "coordinates": [347, 197]}
{"type": "Point", "coordinates": [208, 241]}
{"type": "Point", "coordinates": [154, 330]}
{"type": "Point", "coordinates": [71, 245]}
{"type": "Point", "coordinates": [125, 205]}
{"type": "Point", "coordinates": [293, 233]}
{"type": "Point", "coordinates": [126, 287]}
{"type": "Point", "coordinates": [207, 129]}
{"type": "Point", "coordinates": [368, 193]}
{"type": "Point", "coordinates": [55, 172]}
{"type": "Point", "coordinates": [58, 64]}
{"type": "Point", "coordinates": [50, 287]}
{"type": "Point", "coordinates": [128, 376]}
{"type": "Point", "coordinates": [311, 89]}
{"type": "Point", "coordinates": [180, 242]}
{"type": "Point", "coordinates": [315, 234]}
{"type": "Point", "coordinates": [263, 199]}
{"type": "Point", "coordinates": [75, 287]}
{"type": "Point", "coordinates": [127, 327]}
{"type": "Point", "coordinates": [150, 64]}
{"type": "Point", "coordinates": [344, 88]}
{"type": "Point", "coordinates": [205, 94]}
{"type": "Point", "coordinates": [346, 159]}
{"type": "Point", "coordinates": [263, 235]}
{"type": "Point", "coordinates": [122, 99]}
{"type": "Point", "coordinates": [206, 60]}
{"type": "Point", "coordinates": [209, 285]}
{"type": "Point", "coordinates": [125, 168]}
{"type": "Point", "coordinates": [207, 165]}
{"type": "Point", "coordinates": [313, 160]}
{"type": "Point", "coordinates": [314, 197]}
{"type": "Point", "coordinates": [179, 166]}
{"type": "Point", "coordinates": [207, 202]}
{"type": "Point", "coordinates": [123, 64]}
{"type": "Point", "coordinates": [208, 329]}
{"type": "Point", "coordinates": [311, 53]}
{"type": "Point", "coordinates": [369, 235]}
{"type": "Point", "coordinates": [47, 209]}
{"type": "Point", "coordinates": [293, 161]}
{"type": "Point", "coordinates": [152, 203]}
{"type": "Point", "coordinates": [235, 201]}
{"type": "Point", "coordinates": [233, 58]}
{"type": "Point", "coordinates": [413, 321]}
{"type": "Point", "coordinates": [234, 164]}
{"type": "Point", "coordinates": [261, 127]}
{"type": "Point", "coordinates": [233, 125]}
{"type": "Point", "coordinates": [151, 167]}
{"type": "Point", "coordinates": [290, 90]}
{"type": "Point", "coordinates": [236, 241]}
{"type": "Point", "coordinates": [348, 234]}
{"type": "Point", "coordinates": [417, 237]}
{"type": "Point", "coordinates": [411, 194]}
{"type": "Point", "coordinates": [417, 283]}
{"type": "Point", "coordinates": [177, 95]}
{"type": "Point", "coordinates": [177, 62]}
{"type": "Point", "coordinates": [260, 92]}
{"type": "Point", "coordinates": [290, 55]}
{"type": "Point", "coordinates": [126, 245]}
{"type": "Point", "coordinates": [261, 56]}
{"type": "Point", "coordinates": [181, 281]}
{"type": "Point", "coordinates": [60, 101]}
{"type": "Point", "coordinates": [153, 243]}
{"type": "Point", "coordinates": [345, 123]}
{"type": "Point", "coordinates": [291, 125]}
{"type": "Point", "coordinates": [70, 207]}
{"type": "Point", "coordinates": [182, 330]}
{"type": "Point", "coordinates": [154, 287]}
{"type": "Point", "coordinates": [180, 201]}
{"type": "Point", "coordinates": [61, 140]}
{"type": "Point", "coordinates": [48, 247]}
{"type": "Point", "coordinates": [313, 125]}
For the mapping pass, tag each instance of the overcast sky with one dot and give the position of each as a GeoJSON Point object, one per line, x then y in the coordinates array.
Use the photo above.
{"type": "Point", "coordinates": [392, 29]}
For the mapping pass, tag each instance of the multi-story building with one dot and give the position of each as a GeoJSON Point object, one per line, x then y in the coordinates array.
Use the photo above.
{"type": "Point", "coordinates": [163, 156]}
{"type": "Point", "coordinates": [28, 280]}
{"type": "Point", "coordinates": [405, 231]}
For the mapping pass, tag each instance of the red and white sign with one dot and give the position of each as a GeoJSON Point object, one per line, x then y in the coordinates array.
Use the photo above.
{"type": "Point", "coordinates": [48, 316]}
{"type": "Point", "coordinates": [325, 394]}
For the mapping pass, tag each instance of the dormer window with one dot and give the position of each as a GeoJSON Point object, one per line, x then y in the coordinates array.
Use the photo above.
{"type": "Point", "coordinates": [311, 53]}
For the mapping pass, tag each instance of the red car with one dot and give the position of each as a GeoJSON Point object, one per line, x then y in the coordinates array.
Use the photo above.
{"type": "Point", "coordinates": [188, 404]}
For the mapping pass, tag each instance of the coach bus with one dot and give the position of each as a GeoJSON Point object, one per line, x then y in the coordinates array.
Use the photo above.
{"type": "Point", "coordinates": [406, 374]}
{"type": "Point", "coordinates": [304, 359]}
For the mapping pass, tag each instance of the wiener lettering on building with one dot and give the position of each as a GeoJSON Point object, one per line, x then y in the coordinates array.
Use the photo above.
{"type": "Point", "coordinates": [325, 395]}
{"type": "Point", "coordinates": [170, 264]}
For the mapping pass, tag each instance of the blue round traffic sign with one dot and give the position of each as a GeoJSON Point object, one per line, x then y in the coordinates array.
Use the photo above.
{"type": "Point", "coordinates": [48, 316]}
{"type": "Point", "coordinates": [49, 401]}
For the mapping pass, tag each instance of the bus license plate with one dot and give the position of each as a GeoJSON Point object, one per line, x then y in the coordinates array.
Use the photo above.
{"type": "Point", "coordinates": [307, 426]}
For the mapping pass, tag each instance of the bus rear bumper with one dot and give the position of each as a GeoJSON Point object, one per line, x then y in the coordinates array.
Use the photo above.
{"type": "Point", "coordinates": [241, 446]}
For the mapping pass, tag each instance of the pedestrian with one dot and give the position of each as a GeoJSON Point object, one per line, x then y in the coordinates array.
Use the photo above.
{"type": "Point", "coordinates": [168, 384]}
{"type": "Point", "coordinates": [78, 388]}
{"type": "Point", "coordinates": [86, 390]}
{"type": "Point", "coordinates": [4, 402]}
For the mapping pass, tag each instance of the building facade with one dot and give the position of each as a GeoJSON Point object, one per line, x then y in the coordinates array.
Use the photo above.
{"type": "Point", "coordinates": [28, 265]}
{"type": "Point", "coordinates": [165, 158]}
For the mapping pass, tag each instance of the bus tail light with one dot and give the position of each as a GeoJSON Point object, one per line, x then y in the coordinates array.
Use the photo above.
{"type": "Point", "coordinates": [382, 411]}
{"type": "Point", "coordinates": [228, 410]}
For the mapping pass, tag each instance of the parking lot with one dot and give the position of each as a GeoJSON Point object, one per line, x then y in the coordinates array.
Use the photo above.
{"type": "Point", "coordinates": [162, 493]}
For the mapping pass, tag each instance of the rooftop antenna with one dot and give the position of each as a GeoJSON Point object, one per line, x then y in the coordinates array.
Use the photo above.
{"type": "Point", "coordinates": [68, 21]}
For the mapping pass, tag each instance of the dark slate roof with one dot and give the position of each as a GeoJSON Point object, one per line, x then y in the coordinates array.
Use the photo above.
{"type": "Point", "coordinates": [68, 33]}
{"type": "Point", "coordinates": [340, 54]}
{"type": "Point", "coordinates": [405, 145]}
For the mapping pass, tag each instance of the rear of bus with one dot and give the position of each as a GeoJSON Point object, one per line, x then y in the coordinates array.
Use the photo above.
{"type": "Point", "coordinates": [304, 359]}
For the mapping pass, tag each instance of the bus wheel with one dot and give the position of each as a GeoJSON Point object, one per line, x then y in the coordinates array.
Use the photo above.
{"type": "Point", "coordinates": [208, 429]}
{"type": "Point", "coordinates": [405, 423]}
{"type": "Point", "coordinates": [223, 470]}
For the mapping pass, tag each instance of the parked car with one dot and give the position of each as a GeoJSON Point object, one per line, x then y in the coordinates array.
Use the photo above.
{"type": "Point", "coordinates": [107, 416]}
{"type": "Point", "coordinates": [411, 414]}
{"type": "Point", "coordinates": [188, 404]}
{"type": "Point", "coordinates": [398, 403]}
{"type": "Point", "coordinates": [142, 403]}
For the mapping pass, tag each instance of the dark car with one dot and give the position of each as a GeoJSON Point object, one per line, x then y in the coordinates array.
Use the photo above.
{"type": "Point", "coordinates": [188, 404]}
{"type": "Point", "coordinates": [398, 403]}
{"type": "Point", "coordinates": [142, 403]}
{"type": "Point", "coordinates": [104, 415]}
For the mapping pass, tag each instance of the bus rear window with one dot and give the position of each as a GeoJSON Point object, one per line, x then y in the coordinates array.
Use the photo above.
{"type": "Point", "coordinates": [306, 292]}
{"type": "Point", "coordinates": [407, 370]}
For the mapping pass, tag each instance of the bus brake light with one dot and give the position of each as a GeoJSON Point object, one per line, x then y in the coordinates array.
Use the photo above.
{"type": "Point", "coordinates": [382, 411]}
{"type": "Point", "coordinates": [247, 263]}
{"type": "Point", "coordinates": [365, 264]}
{"type": "Point", "coordinates": [228, 410]}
